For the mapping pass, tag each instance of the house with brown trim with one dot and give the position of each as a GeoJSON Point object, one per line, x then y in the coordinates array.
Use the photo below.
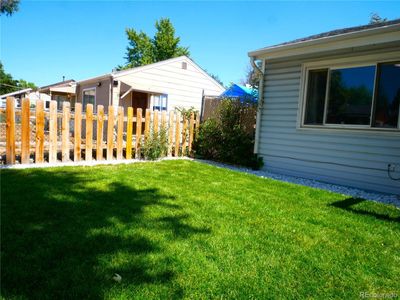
{"type": "Point", "coordinates": [163, 86]}
{"type": "Point", "coordinates": [329, 107]}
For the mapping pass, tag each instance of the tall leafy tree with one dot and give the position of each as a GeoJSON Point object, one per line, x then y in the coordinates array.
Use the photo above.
{"type": "Point", "coordinates": [143, 50]}
{"type": "Point", "coordinates": [8, 7]}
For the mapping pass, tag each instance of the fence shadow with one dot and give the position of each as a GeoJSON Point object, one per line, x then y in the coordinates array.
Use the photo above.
{"type": "Point", "coordinates": [58, 235]}
{"type": "Point", "coordinates": [350, 204]}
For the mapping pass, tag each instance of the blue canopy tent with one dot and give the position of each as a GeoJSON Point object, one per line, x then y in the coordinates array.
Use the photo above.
{"type": "Point", "coordinates": [241, 92]}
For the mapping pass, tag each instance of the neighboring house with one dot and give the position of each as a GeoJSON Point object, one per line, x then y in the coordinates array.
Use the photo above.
{"type": "Point", "coordinates": [241, 92]}
{"type": "Point", "coordinates": [61, 92]}
{"type": "Point", "coordinates": [329, 107]}
{"type": "Point", "coordinates": [165, 85]}
{"type": "Point", "coordinates": [25, 93]}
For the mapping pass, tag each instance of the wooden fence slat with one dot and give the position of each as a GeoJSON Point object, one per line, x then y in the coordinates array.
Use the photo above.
{"type": "Point", "coordinates": [110, 133]}
{"type": "Point", "coordinates": [197, 125]}
{"type": "Point", "coordinates": [10, 131]}
{"type": "Point", "coordinates": [53, 132]}
{"type": "Point", "coordinates": [25, 132]}
{"type": "Point", "coordinates": [147, 124]}
{"type": "Point", "coordinates": [191, 131]}
{"type": "Point", "coordinates": [120, 132]}
{"type": "Point", "coordinates": [171, 132]}
{"type": "Point", "coordinates": [155, 122]}
{"type": "Point", "coordinates": [163, 120]}
{"type": "Point", "coordinates": [77, 131]}
{"type": "Point", "coordinates": [177, 133]}
{"type": "Point", "coordinates": [129, 127]}
{"type": "Point", "coordinates": [138, 133]}
{"type": "Point", "coordinates": [65, 132]}
{"type": "Point", "coordinates": [100, 128]}
{"type": "Point", "coordinates": [39, 151]}
{"type": "Point", "coordinates": [184, 136]}
{"type": "Point", "coordinates": [89, 132]}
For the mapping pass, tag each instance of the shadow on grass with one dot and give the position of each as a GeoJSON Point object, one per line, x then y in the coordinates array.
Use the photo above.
{"type": "Point", "coordinates": [62, 239]}
{"type": "Point", "coordinates": [351, 204]}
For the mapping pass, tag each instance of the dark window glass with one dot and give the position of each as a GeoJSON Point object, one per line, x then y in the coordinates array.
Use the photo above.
{"type": "Point", "coordinates": [387, 96]}
{"type": "Point", "coordinates": [315, 102]}
{"type": "Point", "coordinates": [350, 95]}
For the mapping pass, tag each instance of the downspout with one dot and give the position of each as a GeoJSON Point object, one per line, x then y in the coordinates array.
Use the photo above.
{"type": "Point", "coordinates": [260, 100]}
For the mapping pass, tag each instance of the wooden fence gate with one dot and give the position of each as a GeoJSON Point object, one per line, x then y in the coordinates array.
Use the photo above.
{"type": "Point", "coordinates": [34, 135]}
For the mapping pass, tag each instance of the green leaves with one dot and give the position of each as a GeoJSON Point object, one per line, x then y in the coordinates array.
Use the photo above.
{"type": "Point", "coordinates": [143, 50]}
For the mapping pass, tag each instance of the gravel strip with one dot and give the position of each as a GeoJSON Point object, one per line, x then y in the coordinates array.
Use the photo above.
{"type": "Point", "coordinates": [353, 192]}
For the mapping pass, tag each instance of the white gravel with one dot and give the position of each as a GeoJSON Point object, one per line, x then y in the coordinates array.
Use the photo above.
{"type": "Point", "coordinates": [353, 192]}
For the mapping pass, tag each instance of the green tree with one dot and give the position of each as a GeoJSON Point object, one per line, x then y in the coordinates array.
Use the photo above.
{"type": "Point", "coordinates": [9, 85]}
{"type": "Point", "coordinates": [375, 18]}
{"type": "Point", "coordinates": [143, 50]}
{"type": "Point", "coordinates": [8, 7]}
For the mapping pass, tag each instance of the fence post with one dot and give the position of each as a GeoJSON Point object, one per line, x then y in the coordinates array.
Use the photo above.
{"type": "Point", "coordinates": [197, 122]}
{"type": "Point", "coordinates": [138, 132]}
{"type": "Point", "coordinates": [147, 124]}
{"type": "Point", "coordinates": [184, 135]}
{"type": "Point", "coordinates": [171, 133]}
{"type": "Point", "coordinates": [163, 120]}
{"type": "Point", "coordinates": [110, 132]}
{"type": "Point", "coordinates": [25, 132]}
{"type": "Point", "coordinates": [191, 131]}
{"type": "Point", "coordinates": [129, 133]}
{"type": "Point", "coordinates": [65, 132]}
{"type": "Point", "coordinates": [100, 128]}
{"type": "Point", "coordinates": [77, 131]}
{"type": "Point", "coordinates": [89, 132]}
{"type": "Point", "coordinates": [155, 122]}
{"type": "Point", "coordinates": [120, 132]}
{"type": "Point", "coordinates": [39, 151]}
{"type": "Point", "coordinates": [177, 133]}
{"type": "Point", "coordinates": [10, 131]}
{"type": "Point", "coordinates": [53, 132]}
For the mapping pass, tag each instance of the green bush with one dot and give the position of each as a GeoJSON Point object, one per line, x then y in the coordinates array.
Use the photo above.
{"type": "Point", "coordinates": [156, 145]}
{"type": "Point", "coordinates": [229, 136]}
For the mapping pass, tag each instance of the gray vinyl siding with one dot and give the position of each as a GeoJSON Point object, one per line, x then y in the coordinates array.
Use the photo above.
{"type": "Point", "coordinates": [351, 158]}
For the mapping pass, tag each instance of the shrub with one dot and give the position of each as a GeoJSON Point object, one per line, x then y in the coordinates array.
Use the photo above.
{"type": "Point", "coordinates": [229, 135]}
{"type": "Point", "coordinates": [156, 145]}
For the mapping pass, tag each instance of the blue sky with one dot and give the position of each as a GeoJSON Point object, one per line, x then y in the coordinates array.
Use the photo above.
{"type": "Point", "coordinates": [44, 41]}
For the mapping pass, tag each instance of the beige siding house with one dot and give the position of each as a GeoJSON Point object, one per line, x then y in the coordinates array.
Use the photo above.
{"type": "Point", "coordinates": [165, 85]}
{"type": "Point", "coordinates": [329, 107]}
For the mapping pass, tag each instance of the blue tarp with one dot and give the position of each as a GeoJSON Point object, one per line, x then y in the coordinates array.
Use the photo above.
{"type": "Point", "coordinates": [240, 91]}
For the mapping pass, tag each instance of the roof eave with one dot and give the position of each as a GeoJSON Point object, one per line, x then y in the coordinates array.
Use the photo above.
{"type": "Point", "coordinates": [364, 37]}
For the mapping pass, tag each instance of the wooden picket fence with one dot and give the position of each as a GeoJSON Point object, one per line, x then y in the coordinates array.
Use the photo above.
{"type": "Point", "coordinates": [117, 136]}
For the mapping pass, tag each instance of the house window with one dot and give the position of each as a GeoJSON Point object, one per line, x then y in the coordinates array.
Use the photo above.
{"type": "Point", "coordinates": [88, 96]}
{"type": "Point", "coordinates": [361, 96]}
{"type": "Point", "coordinates": [160, 102]}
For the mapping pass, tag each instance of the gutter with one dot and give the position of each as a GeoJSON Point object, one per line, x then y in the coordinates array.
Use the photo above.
{"type": "Point", "coordinates": [260, 100]}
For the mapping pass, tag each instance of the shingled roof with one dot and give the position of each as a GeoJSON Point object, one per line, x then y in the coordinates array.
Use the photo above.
{"type": "Point", "coordinates": [331, 36]}
{"type": "Point", "coordinates": [341, 31]}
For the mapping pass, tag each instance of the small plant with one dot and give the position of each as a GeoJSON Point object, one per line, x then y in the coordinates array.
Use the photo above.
{"type": "Point", "coordinates": [156, 145]}
{"type": "Point", "coordinates": [186, 112]}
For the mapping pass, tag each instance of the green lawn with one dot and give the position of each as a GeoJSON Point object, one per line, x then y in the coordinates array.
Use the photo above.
{"type": "Point", "coordinates": [182, 229]}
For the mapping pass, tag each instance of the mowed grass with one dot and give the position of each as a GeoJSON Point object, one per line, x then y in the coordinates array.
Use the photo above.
{"type": "Point", "coordinates": [182, 229]}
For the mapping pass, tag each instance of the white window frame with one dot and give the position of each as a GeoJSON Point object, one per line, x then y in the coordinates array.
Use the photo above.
{"type": "Point", "coordinates": [349, 62]}
{"type": "Point", "coordinates": [159, 99]}
{"type": "Point", "coordinates": [94, 105]}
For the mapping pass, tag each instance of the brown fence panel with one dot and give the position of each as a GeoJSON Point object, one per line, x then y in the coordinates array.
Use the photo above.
{"type": "Point", "coordinates": [129, 128]}
{"type": "Point", "coordinates": [65, 132]}
{"type": "Point", "coordinates": [180, 132]}
{"type": "Point", "coordinates": [10, 131]}
{"type": "Point", "coordinates": [39, 152]}
{"type": "Point", "coordinates": [77, 131]}
{"type": "Point", "coordinates": [100, 128]}
{"type": "Point", "coordinates": [53, 132]}
{"type": "Point", "coordinates": [89, 133]}
{"type": "Point", "coordinates": [25, 132]}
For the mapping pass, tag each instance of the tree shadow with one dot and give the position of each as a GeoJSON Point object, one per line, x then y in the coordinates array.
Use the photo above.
{"type": "Point", "coordinates": [351, 204]}
{"type": "Point", "coordinates": [63, 239]}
